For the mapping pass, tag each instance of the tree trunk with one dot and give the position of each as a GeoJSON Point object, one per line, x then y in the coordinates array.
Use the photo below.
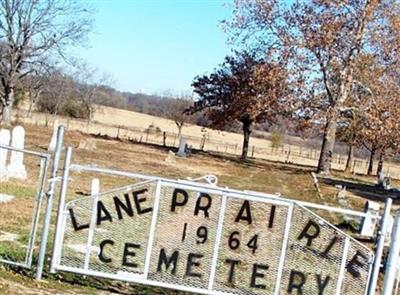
{"type": "Point", "coordinates": [90, 115]}
{"type": "Point", "coordinates": [31, 102]}
{"type": "Point", "coordinates": [6, 115]}
{"type": "Point", "coordinates": [246, 139]}
{"type": "Point", "coordinates": [180, 126]}
{"type": "Point", "coordinates": [202, 143]}
{"type": "Point", "coordinates": [371, 162]}
{"type": "Point", "coordinates": [7, 108]}
{"type": "Point", "coordinates": [328, 143]}
{"type": "Point", "coordinates": [380, 163]}
{"type": "Point", "coordinates": [164, 139]}
{"type": "Point", "coordinates": [350, 158]}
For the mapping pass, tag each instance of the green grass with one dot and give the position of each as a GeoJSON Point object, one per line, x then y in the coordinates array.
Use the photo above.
{"type": "Point", "coordinates": [17, 189]}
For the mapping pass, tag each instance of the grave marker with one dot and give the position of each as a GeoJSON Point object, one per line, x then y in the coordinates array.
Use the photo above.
{"type": "Point", "coordinates": [4, 140]}
{"type": "Point", "coordinates": [16, 168]}
{"type": "Point", "coordinates": [53, 141]}
{"type": "Point", "coordinates": [182, 147]}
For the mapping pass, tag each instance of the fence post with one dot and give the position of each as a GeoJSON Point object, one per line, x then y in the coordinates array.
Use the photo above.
{"type": "Point", "coordinates": [164, 139]}
{"type": "Point", "coordinates": [393, 258]}
{"type": "Point", "coordinates": [61, 203]}
{"type": "Point", "coordinates": [95, 190]}
{"type": "Point", "coordinates": [380, 245]}
{"type": "Point", "coordinates": [398, 279]}
{"type": "Point", "coordinates": [50, 195]}
{"type": "Point", "coordinates": [118, 131]}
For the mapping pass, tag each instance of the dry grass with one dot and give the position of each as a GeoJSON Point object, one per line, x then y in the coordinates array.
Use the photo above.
{"type": "Point", "coordinates": [106, 121]}
{"type": "Point", "coordinates": [257, 175]}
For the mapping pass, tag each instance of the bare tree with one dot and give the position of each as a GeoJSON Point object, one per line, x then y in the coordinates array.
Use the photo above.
{"type": "Point", "coordinates": [176, 111]}
{"type": "Point", "coordinates": [55, 89]}
{"type": "Point", "coordinates": [34, 84]}
{"type": "Point", "coordinates": [33, 32]}
{"type": "Point", "coordinates": [87, 83]}
{"type": "Point", "coordinates": [321, 41]}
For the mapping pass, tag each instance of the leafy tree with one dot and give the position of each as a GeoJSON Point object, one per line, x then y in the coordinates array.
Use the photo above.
{"type": "Point", "coordinates": [321, 40]}
{"type": "Point", "coordinates": [380, 132]}
{"type": "Point", "coordinates": [348, 128]}
{"type": "Point", "coordinates": [245, 89]}
{"type": "Point", "coordinates": [353, 116]}
{"type": "Point", "coordinates": [276, 139]}
{"type": "Point", "coordinates": [32, 33]}
{"type": "Point", "coordinates": [371, 116]}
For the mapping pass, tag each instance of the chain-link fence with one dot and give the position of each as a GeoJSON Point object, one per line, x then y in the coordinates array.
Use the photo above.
{"type": "Point", "coordinates": [205, 239]}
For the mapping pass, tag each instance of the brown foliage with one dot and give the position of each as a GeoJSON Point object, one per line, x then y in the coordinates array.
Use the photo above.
{"type": "Point", "coordinates": [244, 89]}
{"type": "Point", "coordinates": [370, 118]}
{"type": "Point", "coordinates": [321, 42]}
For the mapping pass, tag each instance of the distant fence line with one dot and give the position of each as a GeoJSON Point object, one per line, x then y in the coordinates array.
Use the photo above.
{"type": "Point", "coordinates": [286, 153]}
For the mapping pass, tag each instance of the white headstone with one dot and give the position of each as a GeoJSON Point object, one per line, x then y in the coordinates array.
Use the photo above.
{"type": "Point", "coordinates": [170, 158]}
{"type": "Point", "coordinates": [368, 224]}
{"type": "Point", "coordinates": [87, 144]}
{"type": "Point", "coordinates": [16, 168]}
{"type": "Point", "coordinates": [4, 140]}
{"type": "Point", "coordinates": [182, 147]}
{"type": "Point", "coordinates": [53, 141]}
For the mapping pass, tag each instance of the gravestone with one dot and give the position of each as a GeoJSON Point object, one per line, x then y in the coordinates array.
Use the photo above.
{"type": "Point", "coordinates": [6, 198]}
{"type": "Point", "coordinates": [170, 158]}
{"type": "Point", "coordinates": [182, 147]}
{"type": "Point", "coordinates": [341, 196]}
{"type": "Point", "coordinates": [368, 224]}
{"type": "Point", "coordinates": [16, 168]}
{"type": "Point", "coordinates": [53, 141]}
{"type": "Point", "coordinates": [384, 181]}
{"type": "Point", "coordinates": [87, 144]}
{"type": "Point", "coordinates": [4, 140]}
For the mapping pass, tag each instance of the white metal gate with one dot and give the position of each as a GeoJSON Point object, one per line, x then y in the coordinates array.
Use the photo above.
{"type": "Point", "coordinates": [207, 240]}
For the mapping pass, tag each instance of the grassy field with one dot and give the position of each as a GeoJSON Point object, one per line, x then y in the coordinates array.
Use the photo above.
{"type": "Point", "coordinates": [145, 128]}
{"type": "Point", "coordinates": [258, 175]}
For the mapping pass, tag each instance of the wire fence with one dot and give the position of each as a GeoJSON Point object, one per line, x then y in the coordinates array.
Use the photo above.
{"type": "Point", "coordinates": [259, 148]}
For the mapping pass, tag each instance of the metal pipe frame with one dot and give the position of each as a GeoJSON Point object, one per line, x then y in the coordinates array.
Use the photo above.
{"type": "Point", "coordinates": [380, 246]}
{"type": "Point", "coordinates": [393, 258]}
{"type": "Point", "coordinates": [44, 162]}
{"type": "Point", "coordinates": [224, 193]}
{"type": "Point", "coordinates": [49, 207]}
{"type": "Point", "coordinates": [57, 244]}
{"type": "Point", "coordinates": [94, 169]}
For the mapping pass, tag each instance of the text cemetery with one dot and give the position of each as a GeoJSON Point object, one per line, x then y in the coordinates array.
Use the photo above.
{"type": "Point", "coordinates": [185, 241]}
